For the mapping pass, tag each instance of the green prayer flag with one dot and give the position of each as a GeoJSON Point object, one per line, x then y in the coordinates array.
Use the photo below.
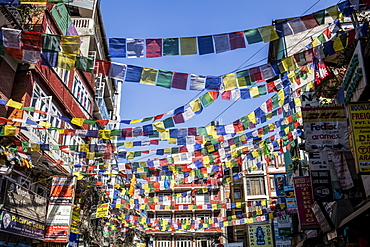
{"type": "Point", "coordinates": [202, 131]}
{"type": "Point", "coordinates": [147, 119]}
{"type": "Point", "coordinates": [116, 132]}
{"type": "Point", "coordinates": [89, 122]}
{"type": "Point", "coordinates": [85, 64]}
{"type": "Point", "coordinates": [168, 123]}
{"type": "Point", "coordinates": [275, 101]}
{"type": "Point", "coordinates": [262, 89]}
{"type": "Point", "coordinates": [30, 109]}
{"type": "Point", "coordinates": [50, 42]}
{"type": "Point", "coordinates": [25, 146]}
{"type": "Point", "coordinates": [321, 38]}
{"type": "Point", "coordinates": [164, 78]}
{"type": "Point", "coordinates": [170, 47]}
{"type": "Point", "coordinates": [253, 36]}
{"type": "Point", "coordinates": [206, 99]}
{"type": "Point", "coordinates": [320, 16]}
{"type": "Point", "coordinates": [188, 46]}
{"type": "Point", "coordinates": [137, 154]}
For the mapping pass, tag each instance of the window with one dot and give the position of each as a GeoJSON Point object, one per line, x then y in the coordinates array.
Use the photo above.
{"type": "Point", "coordinates": [183, 242]}
{"type": "Point", "coordinates": [163, 242]}
{"type": "Point", "coordinates": [41, 102]}
{"type": "Point", "coordinates": [203, 198]}
{"type": "Point", "coordinates": [203, 242]}
{"type": "Point", "coordinates": [272, 184]}
{"type": "Point", "coordinates": [164, 198]}
{"type": "Point", "coordinates": [255, 186]}
{"type": "Point", "coordinates": [81, 94]}
{"type": "Point", "coordinates": [237, 193]}
{"type": "Point", "coordinates": [184, 199]}
{"type": "Point", "coordinates": [203, 217]}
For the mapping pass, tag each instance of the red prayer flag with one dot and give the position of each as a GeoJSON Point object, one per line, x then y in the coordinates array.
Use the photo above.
{"type": "Point", "coordinates": [153, 47]}
{"type": "Point", "coordinates": [179, 80]}
{"type": "Point", "coordinates": [226, 95]}
{"type": "Point", "coordinates": [237, 40]}
{"type": "Point", "coordinates": [256, 74]}
{"type": "Point", "coordinates": [351, 36]}
{"type": "Point", "coordinates": [271, 87]}
{"type": "Point", "coordinates": [127, 132]}
{"type": "Point", "coordinates": [238, 126]}
{"type": "Point", "coordinates": [16, 53]}
{"type": "Point", "coordinates": [102, 67]}
{"type": "Point", "coordinates": [31, 41]}
{"type": "Point", "coordinates": [309, 21]}
{"type": "Point", "coordinates": [214, 94]}
{"type": "Point", "coordinates": [154, 142]}
{"type": "Point", "coordinates": [178, 118]}
{"type": "Point", "coordinates": [104, 122]}
{"type": "Point", "coordinates": [158, 117]}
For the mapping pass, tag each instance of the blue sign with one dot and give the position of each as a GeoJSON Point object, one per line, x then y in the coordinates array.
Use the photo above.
{"type": "Point", "coordinates": [21, 226]}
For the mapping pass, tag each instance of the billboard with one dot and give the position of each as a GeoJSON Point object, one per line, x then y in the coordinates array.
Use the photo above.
{"type": "Point", "coordinates": [325, 128]}
{"type": "Point", "coordinates": [359, 116]}
{"type": "Point", "coordinates": [260, 235]}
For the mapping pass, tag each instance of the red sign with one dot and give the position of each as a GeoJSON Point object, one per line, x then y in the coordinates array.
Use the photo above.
{"type": "Point", "coordinates": [304, 198]}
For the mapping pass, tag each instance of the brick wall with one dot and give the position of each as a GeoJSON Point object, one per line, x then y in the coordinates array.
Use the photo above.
{"type": "Point", "coordinates": [7, 75]}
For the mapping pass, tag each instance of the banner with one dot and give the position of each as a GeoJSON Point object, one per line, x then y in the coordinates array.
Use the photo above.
{"type": "Point", "coordinates": [260, 235]}
{"type": "Point", "coordinates": [303, 192]}
{"type": "Point", "coordinates": [59, 214]}
{"type": "Point", "coordinates": [325, 128]}
{"type": "Point", "coordinates": [21, 226]}
{"type": "Point", "coordinates": [102, 210]}
{"type": "Point", "coordinates": [359, 116]}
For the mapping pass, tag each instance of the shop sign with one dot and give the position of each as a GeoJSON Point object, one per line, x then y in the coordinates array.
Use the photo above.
{"type": "Point", "coordinates": [359, 116]}
{"type": "Point", "coordinates": [284, 225]}
{"type": "Point", "coordinates": [23, 202]}
{"type": "Point", "coordinates": [322, 217]}
{"type": "Point", "coordinates": [102, 210]}
{"type": "Point", "coordinates": [260, 235]}
{"type": "Point", "coordinates": [279, 184]}
{"type": "Point", "coordinates": [290, 199]}
{"type": "Point", "coordinates": [21, 226]}
{"type": "Point", "coordinates": [341, 167]}
{"type": "Point", "coordinates": [304, 197]}
{"type": "Point", "coordinates": [325, 128]}
{"type": "Point", "coordinates": [318, 161]}
{"type": "Point", "coordinates": [321, 185]}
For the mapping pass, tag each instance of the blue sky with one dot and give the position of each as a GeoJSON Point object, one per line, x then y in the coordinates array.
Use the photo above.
{"type": "Point", "coordinates": [176, 18]}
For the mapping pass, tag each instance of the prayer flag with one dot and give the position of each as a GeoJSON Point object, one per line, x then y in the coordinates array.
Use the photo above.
{"type": "Point", "coordinates": [164, 78]}
{"type": "Point", "coordinates": [229, 81]}
{"type": "Point", "coordinates": [170, 47]}
{"type": "Point", "coordinates": [153, 47]}
{"type": "Point", "coordinates": [297, 25]}
{"type": "Point", "coordinates": [70, 44]}
{"type": "Point", "coordinates": [31, 56]}
{"type": "Point", "coordinates": [289, 64]}
{"type": "Point", "coordinates": [14, 104]}
{"type": "Point", "coordinates": [213, 82]}
{"type": "Point", "coordinates": [10, 130]}
{"type": "Point", "coordinates": [195, 105]}
{"type": "Point", "coordinates": [206, 99]}
{"type": "Point", "coordinates": [268, 33]}
{"type": "Point", "coordinates": [243, 79]}
{"type": "Point", "coordinates": [117, 71]}
{"type": "Point", "coordinates": [254, 92]}
{"type": "Point", "coordinates": [197, 82]}
{"type": "Point", "coordinates": [12, 38]}
{"type": "Point", "coordinates": [148, 76]}
{"type": "Point", "coordinates": [84, 64]}
{"type": "Point", "coordinates": [333, 11]}
{"type": "Point", "coordinates": [320, 16]}
{"type": "Point", "coordinates": [237, 40]}
{"type": "Point", "coordinates": [267, 71]}
{"type": "Point", "coordinates": [253, 36]}
{"type": "Point", "coordinates": [205, 45]}
{"type": "Point", "coordinates": [135, 48]}
{"type": "Point", "coordinates": [179, 80]}
{"type": "Point", "coordinates": [188, 46]}
{"type": "Point", "coordinates": [255, 74]}
{"type": "Point", "coordinates": [282, 29]}
{"type": "Point", "coordinates": [309, 21]}
{"type": "Point", "coordinates": [222, 43]}
{"type": "Point", "coordinates": [133, 73]}
{"type": "Point", "coordinates": [168, 123]}
{"type": "Point", "coordinates": [77, 121]}
{"type": "Point", "coordinates": [50, 42]}
{"type": "Point", "coordinates": [16, 53]}
{"type": "Point", "coordinates": [159, 126]}
{"type": "Point", "coordinates": [31, 40]}
{"type": "Point", "coordinates": [66, 61]}
{"type": "Point", "coordinates": [117, 47]}
{"type": "Point", "coordinates": [102, 67]}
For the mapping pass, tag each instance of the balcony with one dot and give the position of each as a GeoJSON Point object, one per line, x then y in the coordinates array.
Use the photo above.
{"type": "Point", "coordinates": [84, 26]}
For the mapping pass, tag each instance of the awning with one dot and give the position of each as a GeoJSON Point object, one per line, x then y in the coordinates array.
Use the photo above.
{"type": "Point", "coordinates": [355, 214]}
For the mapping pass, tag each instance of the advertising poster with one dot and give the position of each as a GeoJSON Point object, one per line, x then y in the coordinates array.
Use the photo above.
{"type": "Point", "coordinates": [304, 197]}
{"type": "Point", "coordinates": [325, 128]}
{"type": "Point", "coordinates": [290, 199]}
{"type": "Point", "coordinates": [341, 167]}
{"type": "Point", "coordinates": [279, 184]}
{"type": "Point", "coordinates": [260, 235]}
{"type": "Point", "coordinates": [284, 224]}
{"type": "Point", "coordinates": [321, 186]}
{"type": "Point", "coordinates": [60, 210]}
{"type": "Point", "coordinates": [102, 210]}
{"type": "Point", "coordinates": [359, 116]}
{"type": "Point", "coordinates": [21, 226]}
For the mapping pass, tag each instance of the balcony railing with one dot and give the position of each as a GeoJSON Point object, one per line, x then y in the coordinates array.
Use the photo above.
{"type": "Point", "coordinates": [84, 26]}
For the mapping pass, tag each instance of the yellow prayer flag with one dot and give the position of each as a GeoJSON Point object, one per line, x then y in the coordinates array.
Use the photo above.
{"type": "Point", "coordinates": [129, 144]}
{"type": "Point", "coordinates": [172, 140]}
{"type": "Point", "coordinates": [165, 135]}
{"type": "Point", "coordinates": [104, 134]}
{"type": "Point", "coordinates": [281, 97]}
{"type": "Point", "coordinates": [176, 158]}
{"type": "Point", "coordinates": [159, 126]}
{"type": "Point", "coordinates": [10, 130]}
{"type": "Point", "coordinates": [66, 61]}
{"type": "Point", "coordinates": [211, 130]}
{"type": "Point", "coordinates": [256, 154]}
{"type": "Point", "coordinates": [136, 121]}
{"type": "Point", "coordinates": [45, 124]}
{"type": "Point", "coordinates": [254, 93]}
{"type": "Point", "coordinates": [272, 126]}
{"type": "Point", "coordinates": [84, 147]}
{"type": "Point", "coordinates": [252, 117]}
{"type": "Point", "coordinates": [70, 44]}
{"type": "Point", "coordinates": [195, 105]}
{"type": "Point", "coordinates": [167, 150]}
{"type": "Point", "coordinates": [238, 205]}
{"type": "Point", "coordinates": [78, 121]}
{"type": "Point", "coordinates": [214, 206]}
{"type": "Point", "coordinates": [315, 42]}
{"type": "Point", "coordinates": [35, 146]}
{"type": "Point", "coordinates": [337, 44]}
{"type": "Point", "coordinates": [268, 33]}
{"type": "Point", "coordinates": [34, 2]}
{"type": "Point", "coordinates": [298, 101]}
{"type": "Point", "coordinates": [333, 11]}
{"type": "Point", "coordinates": [90, 155]}
{"type": "Point", "coordinates": [289, 64]}
{"type": "Point", "coordinates": [229, 81]}
{"type": "Point", "coordinates": [206, 160]}
{"type": "Point", "coordinates": [130, 155]}
{"type": "Point", "coordinates": [188, 46]}
{"type": "Point", "coordinates": [14, 104]}
{"type": "Point", "coordinates": [148, 76]}
{"type": "Point", "coordinates": [211, 148]}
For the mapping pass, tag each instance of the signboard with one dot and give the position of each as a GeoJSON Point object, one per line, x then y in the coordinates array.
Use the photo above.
{"type": "Point", "coordinates": [304, 197]}
{"type": "Point", "coordinates": [60, 209]}
{"type": "Point", "coordinates": [340, 166]}
{"type": "Point", "coordinates": [279, 184]}
{"type": "Point", "coordinates": [318, 161]}
{"type": "Point", "coordinates": [102, 210]}
{"type": "Point", "coordinates": [284, 225]}
{"type": "Point", "coordinates": [322, 217]}
{"type": "Point", "coordinates": [321, 185]}
{"type": "Point", "coordinates": [290, 199]}
{"type": "Point", "coordinates": [23, 202]}
{"type": "Point", "coordinates": [260, 235]}
{"type": "Point", "coordinates": [21, 226]}
{"type": "Point", "coordinates": [359, 116]}
{"type": "Point", "coordinates": [325, 128]}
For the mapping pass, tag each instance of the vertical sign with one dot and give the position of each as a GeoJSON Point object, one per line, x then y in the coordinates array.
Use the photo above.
{"type": "Point", "coordinates": [59, 214]}
{"type": "Point", "coordinates": [359, 115]}
{"type": "Point", "coordinates": [303, 193]}
{"type": "Point", "coordinates": [321, 185]}
{"type": "Point", "coordinates": [291, 204]}
{"type": "Point", "coordinates": [260, 235]}
{"type": "Point", "coordinates": [279, 184]}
